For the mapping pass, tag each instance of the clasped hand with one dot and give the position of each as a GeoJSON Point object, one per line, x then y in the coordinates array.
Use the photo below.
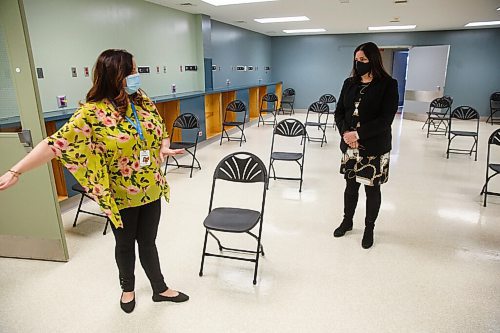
{"type": "Point", "coordinates": [351, 139]}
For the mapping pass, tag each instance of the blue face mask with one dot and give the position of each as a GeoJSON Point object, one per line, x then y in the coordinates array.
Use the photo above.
{"type": "Point", "coordinates": [133, 83]}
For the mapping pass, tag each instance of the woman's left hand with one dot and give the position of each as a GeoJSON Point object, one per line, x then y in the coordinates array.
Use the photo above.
{"type": "Point", "coordinates": [350, 137]}
{"type": "Point", "coordinates": [165, 151]}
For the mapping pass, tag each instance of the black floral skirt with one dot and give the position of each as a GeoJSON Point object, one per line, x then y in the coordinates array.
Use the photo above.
{"type": "Point", "coordinates": [368, 170]}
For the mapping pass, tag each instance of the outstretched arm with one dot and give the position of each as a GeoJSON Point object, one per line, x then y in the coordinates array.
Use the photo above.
{"type": "Point", "coordinates": [40, 155]}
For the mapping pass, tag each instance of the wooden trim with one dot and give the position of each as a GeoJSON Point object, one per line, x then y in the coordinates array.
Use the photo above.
{"type": "Point", "coordinates": [57, 166]}
{"type": "Point", "coordinates": [253, 102]}
{"type": "Point", "coordinates": [213, 114]}
{"type": "Point", "coordinates": [169, 111]}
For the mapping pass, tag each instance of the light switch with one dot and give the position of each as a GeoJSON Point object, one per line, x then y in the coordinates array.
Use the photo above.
{"type": "Point", "coordinates": [73, 72]}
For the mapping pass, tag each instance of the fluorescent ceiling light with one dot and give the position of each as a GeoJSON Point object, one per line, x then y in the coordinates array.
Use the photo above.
{"type": "Point", "coordinates": [282, 19]}
{"type": "Point", "coordinates": [393, 27]}
{"type": "Point", "coordinates": [232, 2]}
{"type": "Point", "coordinates": [296, 31]}
{"type": "Point", "coordinates": [498, 8]}
{"type": "Point", "coordinates": [481, 24]}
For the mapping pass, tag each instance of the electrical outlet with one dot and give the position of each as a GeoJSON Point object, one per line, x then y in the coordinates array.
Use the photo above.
{"type": "Point", "coordinates": [62, 102]}
{"type": "Point", "coordinates": [157, 69]}
{"type": "Point", "coordinates": [73, 72]}
{"type": "Point", "coordinates": [174, 88]}
{"type": "Point", "coordinates": [164, 69]}
{"type": "Point", "coordinates": [200, 133]}
{"type": "Point", "coordinates": [39, 73]}
{"type": "Point", "coordinates": [86, 71]}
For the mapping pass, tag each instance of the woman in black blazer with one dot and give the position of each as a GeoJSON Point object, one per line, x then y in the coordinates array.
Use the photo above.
{"type": "Point", "coordinates": [367, 105]}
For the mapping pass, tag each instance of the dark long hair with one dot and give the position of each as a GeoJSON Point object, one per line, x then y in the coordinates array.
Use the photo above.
{"type": "Point", "coordinates": [111, 68]}
{"type": "Point", "coordinates": [372, 52]}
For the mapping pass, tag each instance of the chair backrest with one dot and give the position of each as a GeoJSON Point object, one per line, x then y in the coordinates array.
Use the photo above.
{"type": "Point", "coordinates": [318, 107]}
{"type": "Point", "coordinates": [241, 167]}
{"type": "Point", "coordinates": [289, 92]}
{"type": "Point", "coordinates": [187, 121]}
{"type": "Point", "coordinates": [270, 98]}
{"type": "Point", "coordinates": [495, 100]}
{"type": "Point", "coordinates": [236, 106]}
{"type": "Point", "coordinates": [494, 138]}
{"type": "Point", "coordinates": [449, 98]}
{"type": "Point", "coordinates": [465, 112]}
{"type": "Point", "coordinates": [328, 98]}
{"type": "Point", "coordinates": [441, 103]}
{"type": "Point", "coordinates": [290, 127]}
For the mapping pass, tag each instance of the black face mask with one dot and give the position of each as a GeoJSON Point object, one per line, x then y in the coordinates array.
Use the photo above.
{"type": "Point", "coordinates": [362, 67]}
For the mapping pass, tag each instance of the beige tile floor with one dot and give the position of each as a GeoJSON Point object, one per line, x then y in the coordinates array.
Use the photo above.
{"type": "Point", "coordinates": [435, 265]}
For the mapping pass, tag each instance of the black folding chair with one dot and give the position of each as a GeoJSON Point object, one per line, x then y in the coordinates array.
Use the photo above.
{"type": "Point", "coordinates": [236, 108]}
{"type": "Point", "coordinates": [287, 101]}
{"type": "Point", "coordinates": [288, 128]}
{"type": "Point", "coordinates": [78, 188]}
{"type": "Point", "coordinates": [330, 99]}
{"type": "Point", "coordinates": [495, 167]}
{"type": "Point", "coordinates": [321, 111]}
{"type": "Point", "coordinates": [438, 115]}
{"type": "Point", "coordinates": [240, 167]}
{"type": "Point", "coordinates": [272, 108]}
{"type": "Point", "coordinates": [463, 113]}
{"type": "Point", "coordinates": [189, 125]}
{"type": "Point", "coordinates": [494, 108]}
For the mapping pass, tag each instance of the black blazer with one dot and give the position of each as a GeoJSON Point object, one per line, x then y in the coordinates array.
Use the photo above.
{"type": "Point", "coordinates": [376, 113]}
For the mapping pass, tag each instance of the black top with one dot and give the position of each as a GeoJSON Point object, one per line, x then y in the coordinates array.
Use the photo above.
{"type": "Point", "coordinates": [376, 110]}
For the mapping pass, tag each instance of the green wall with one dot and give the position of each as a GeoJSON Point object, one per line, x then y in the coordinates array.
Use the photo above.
{"type": "Point", "coordinates": [72, 33]}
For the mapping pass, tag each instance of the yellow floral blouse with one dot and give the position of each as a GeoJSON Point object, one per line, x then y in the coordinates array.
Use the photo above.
{"type": "Point", "coordinates": [101, 149]}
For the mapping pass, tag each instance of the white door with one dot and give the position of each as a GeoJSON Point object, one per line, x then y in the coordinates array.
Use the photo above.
{"type": "Point", "coordinates": [30, 221]}
{"type": "Point", "coordinates": [426, 77]}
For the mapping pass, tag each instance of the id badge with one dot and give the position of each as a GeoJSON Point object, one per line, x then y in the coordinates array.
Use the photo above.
{"type": "Point", "coordinates": [144, 158]}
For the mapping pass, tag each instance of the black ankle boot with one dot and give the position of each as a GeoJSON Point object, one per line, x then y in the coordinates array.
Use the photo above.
{"type": "Point", "coordinates": [367, 240]}
{"type": "Point", "coordinates": [344, 227]}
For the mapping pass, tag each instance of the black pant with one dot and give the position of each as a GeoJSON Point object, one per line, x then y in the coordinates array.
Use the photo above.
{"type": "Point", "coordinates": [373, 201]}
{"type": "Point", "coordinates": [141, 224]}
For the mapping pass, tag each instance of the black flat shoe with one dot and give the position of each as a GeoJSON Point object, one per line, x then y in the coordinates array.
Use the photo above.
{"type": "Point", "coordinates": [127, 307]}
{"type": "Point", "coordinates": [177, 299]}
{"type": "Point", "coordinates": [367, 240]}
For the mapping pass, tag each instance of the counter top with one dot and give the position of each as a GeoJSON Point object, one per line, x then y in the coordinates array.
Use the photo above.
{"type": "Point", "coordinates": [66, 113]}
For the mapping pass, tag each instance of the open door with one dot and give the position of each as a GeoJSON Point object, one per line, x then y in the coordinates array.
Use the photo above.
{"type": "Point", "coordinates": [426, 77]}
{"type": "Point", "coordinates": [30, 220]}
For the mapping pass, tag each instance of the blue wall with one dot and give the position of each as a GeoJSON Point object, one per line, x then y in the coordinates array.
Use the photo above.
{"type": "Point", "coordinates": [314, 65]}
{"type": "Point", "coordinates": [232, 46]}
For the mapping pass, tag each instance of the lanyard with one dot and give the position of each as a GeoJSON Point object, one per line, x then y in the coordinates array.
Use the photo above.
{"type": "Point", "coordinates": [136, 124]}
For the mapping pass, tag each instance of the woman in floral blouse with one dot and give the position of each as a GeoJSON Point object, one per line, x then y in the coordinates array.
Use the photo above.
{"type": "Point", "coordinates": [114, 145]}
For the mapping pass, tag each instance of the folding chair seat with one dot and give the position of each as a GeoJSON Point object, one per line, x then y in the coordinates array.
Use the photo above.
{"type": "Point", "coordinates": [235, 116]}
{"type": "Point", "coordinates": [494, 108]}
{"type": "Point", "coordinates": [321, 111]}
{"type": "Point", "coordinates": [268, 105]}
{"type": "Point", "coordinates": [245, 168]}
{"type": "Point", "coordinates": [494, 140]}
{"type": "Point", "coordinates": [330, 99]}
{"type": "Point", "coordinates": [189, 125]}
{"type": "Point", "coordinates": [289, 128]}
{"type": "Point", "coordinates": [78, 188]}
{"type": "Point", "coordinates": [438, 115]}
{"type": "Point", "coordinates": [287, 101]}
{"type": "Point", "coordinates": [463, 113]}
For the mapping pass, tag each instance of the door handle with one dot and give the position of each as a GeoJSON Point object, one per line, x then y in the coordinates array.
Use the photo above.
{"type": "Point", "coordinates": [26, 139]}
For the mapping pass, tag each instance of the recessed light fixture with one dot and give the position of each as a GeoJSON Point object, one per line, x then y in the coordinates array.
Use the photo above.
{"type": "Point", "coordinates": [297, 31]}
{"type": "Point", "coordinates": [482, 24]}
{"type": "Point", "coordinates": [282, 19]}
{"type": "Point", "coordinates": [232, 2]}
{"type": "Point", "coordinates": [393, 27]}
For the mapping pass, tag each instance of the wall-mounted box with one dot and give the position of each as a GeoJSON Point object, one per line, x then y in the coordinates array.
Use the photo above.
{"type": "Point", "coordinates": [192, 68]}
{"type": "Point", "coordinates": [143, 69]}
{"type": "Point", "coordinates": [62, 102]}
{"type": "Point", "coordinates": [241, 68]}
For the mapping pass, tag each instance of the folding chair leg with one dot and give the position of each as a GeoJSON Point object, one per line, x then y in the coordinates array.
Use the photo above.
{"type": "Point", "coordinates": [204, 251]}
{"type": "Point", "coordinates": [106, 227]}
{"type": "Point", "coordinates": [78, 210]}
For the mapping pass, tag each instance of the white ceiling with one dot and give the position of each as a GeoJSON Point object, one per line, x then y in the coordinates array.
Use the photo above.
{"type": "Point", "coordinates": [352, 17]}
